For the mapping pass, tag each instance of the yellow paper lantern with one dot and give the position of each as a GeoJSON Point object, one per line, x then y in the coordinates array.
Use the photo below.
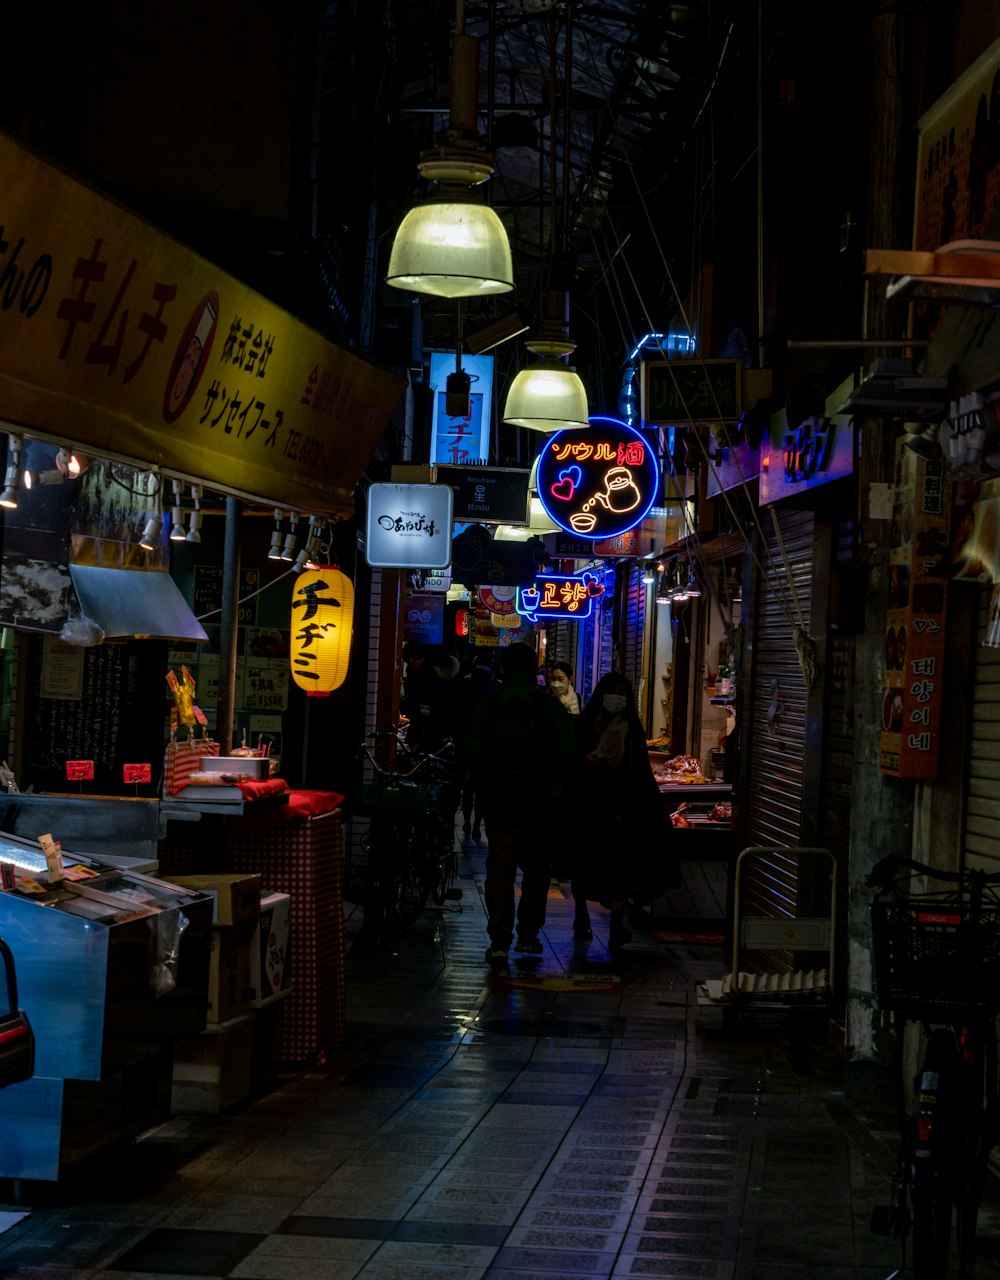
{"type": "Point", "coordinates": [322, 617]}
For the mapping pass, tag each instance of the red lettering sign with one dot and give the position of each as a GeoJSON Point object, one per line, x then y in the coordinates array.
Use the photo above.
{"type": "Point", "coordinates": [136, 773]}
{"type": "Point", "coordinates": [79, 770]}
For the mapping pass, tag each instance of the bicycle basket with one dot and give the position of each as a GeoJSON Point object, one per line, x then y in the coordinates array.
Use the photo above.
{"type": "Point", "coordinates": [400, 799]}
{"type": "Point", "coordinates": [930, 956]}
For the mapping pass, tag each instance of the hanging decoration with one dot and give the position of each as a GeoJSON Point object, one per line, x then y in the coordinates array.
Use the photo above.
{"type": "Point", "coordinates": [322, 617]}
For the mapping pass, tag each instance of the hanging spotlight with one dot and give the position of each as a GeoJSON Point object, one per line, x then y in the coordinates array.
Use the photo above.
{"type": "Point", "coordinates": [177, 533]}
{"type": "Point", "coordinates": [194, 520]}
{"type": "Point", "coordinates": [649, 577]}
{"type": "Point", "coordinates": [453, 246]}
{"type": "Point", "coordinates": [12, 477]}
{"type": "Point", "coordinates": [71, 463]}
{"type": "Point", "coordinates": [151, 534]}
{"type": "Point", "coordinates": [288, 551]}
{"type": "Point", "coordinates": [275, 552]}
{"type": "Point", "coordinates": [923, 439]}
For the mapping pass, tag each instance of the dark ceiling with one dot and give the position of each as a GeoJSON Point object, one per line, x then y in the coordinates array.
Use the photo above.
{"type": "Point", "coordinates": [632, 84]}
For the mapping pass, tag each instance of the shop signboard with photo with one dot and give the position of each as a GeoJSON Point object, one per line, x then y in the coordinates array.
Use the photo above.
{"type": "Point", "coordinates": [914, 648]}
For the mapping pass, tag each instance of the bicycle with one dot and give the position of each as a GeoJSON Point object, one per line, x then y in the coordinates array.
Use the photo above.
{"type": "Point", "coordinates": [410, 843]}
{"type": "Point", "coordinates": [936, 957]}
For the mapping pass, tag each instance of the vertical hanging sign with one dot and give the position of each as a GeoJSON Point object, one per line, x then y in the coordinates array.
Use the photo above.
{"type": "Point", "coordinates": [913, 654]}
{"type": "Point", "coordinates": [460, 439]}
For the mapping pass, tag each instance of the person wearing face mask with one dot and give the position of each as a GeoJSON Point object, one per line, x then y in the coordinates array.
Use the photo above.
{"type": "Point", "coordinates": [560, 681]}
{"type": "Point", "coordinates": [624, 841]}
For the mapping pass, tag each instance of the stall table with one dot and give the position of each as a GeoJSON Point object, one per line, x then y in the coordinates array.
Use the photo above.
{"type": "Point", "coordinates": [707, 852]}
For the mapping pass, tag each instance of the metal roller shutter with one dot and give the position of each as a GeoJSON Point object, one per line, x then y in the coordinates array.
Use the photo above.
{"type": "Point", "coordinates": [777, 712]}
{"type": "Point", "coordinates": [982, 788]}
{"type": "Point", "coordinates": [635, 607]}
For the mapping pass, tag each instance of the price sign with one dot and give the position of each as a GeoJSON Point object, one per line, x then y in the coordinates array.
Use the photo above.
{"type": "Point", "coordinates": [79, 770]}
{"type": "Point", "coordinates": [137, 773]}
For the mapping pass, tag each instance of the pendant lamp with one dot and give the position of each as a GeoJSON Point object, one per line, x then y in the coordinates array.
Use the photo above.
{"type": "Point", "coordinates": [548, 395]}
{"type": "Point", "coordinates": [453, 245]}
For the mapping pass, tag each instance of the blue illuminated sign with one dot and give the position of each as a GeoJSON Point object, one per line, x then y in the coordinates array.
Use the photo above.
{"type": "Point", "coordinates": [559, 595]}
{"type": "Point", "coordinates": [599, 482]}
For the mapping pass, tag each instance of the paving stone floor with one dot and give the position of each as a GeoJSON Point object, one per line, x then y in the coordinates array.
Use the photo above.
{"type": "Point", "coordinates": [575, 1117]}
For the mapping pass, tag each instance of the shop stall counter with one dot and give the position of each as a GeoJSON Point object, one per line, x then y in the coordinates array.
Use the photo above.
{"type": "Point", "coordinates": [113, 965]}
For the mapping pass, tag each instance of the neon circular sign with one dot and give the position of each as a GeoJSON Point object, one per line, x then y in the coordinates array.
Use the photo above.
{"type": "Point", "coordinates": [598, 482]}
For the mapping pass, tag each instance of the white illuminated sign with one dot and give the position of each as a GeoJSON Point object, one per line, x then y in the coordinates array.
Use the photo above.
{"type": "Point", "coordinates": [409, 526]}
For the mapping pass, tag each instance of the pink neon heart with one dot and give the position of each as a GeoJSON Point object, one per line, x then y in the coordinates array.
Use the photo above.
{"type": "Point", "coordinates": [563, 489]}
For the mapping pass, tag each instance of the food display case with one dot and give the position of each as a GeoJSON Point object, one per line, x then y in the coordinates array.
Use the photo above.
{"type": "Point", "coordinates": [112, 968]}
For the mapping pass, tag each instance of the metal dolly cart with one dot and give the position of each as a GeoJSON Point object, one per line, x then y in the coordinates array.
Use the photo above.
{"type": "Point", "coordinates": [745, 989]}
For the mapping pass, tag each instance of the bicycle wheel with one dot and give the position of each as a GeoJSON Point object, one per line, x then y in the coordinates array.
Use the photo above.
{"type": "Point", "coordinates": [410, 888]}
{"type": "Point", "coordinates": [444, 879]}
{"type": "Point", "coordinates": [936, 1142]}
{"type": "Point", "coordinates": [980, 1120]}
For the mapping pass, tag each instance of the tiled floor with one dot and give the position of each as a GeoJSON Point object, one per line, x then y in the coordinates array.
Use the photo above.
{"type": "Point", "coordinates": [574, 1118]}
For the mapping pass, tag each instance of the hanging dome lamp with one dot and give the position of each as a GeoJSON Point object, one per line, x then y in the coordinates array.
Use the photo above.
{"type": "Point", "coordinates": [453, 245]}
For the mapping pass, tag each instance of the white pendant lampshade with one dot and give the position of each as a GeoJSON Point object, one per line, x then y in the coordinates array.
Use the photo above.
{"type": "Point", "coordinates": [547, 396]}
{"type": "Point", "coordinates": [452, 247]}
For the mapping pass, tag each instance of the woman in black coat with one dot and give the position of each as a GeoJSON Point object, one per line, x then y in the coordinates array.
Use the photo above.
{"type": "Point", "coordinates": [623, 846]}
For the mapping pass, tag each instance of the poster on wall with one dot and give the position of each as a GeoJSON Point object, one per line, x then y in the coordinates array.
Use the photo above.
{"type": "Point", "coordinates": [423, 618]}
{"type": "Point", "coordinates": [913, 651]}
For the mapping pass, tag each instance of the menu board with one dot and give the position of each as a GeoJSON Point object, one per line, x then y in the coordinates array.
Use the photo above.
{"type": "Point", "coordinates": [913, 651]}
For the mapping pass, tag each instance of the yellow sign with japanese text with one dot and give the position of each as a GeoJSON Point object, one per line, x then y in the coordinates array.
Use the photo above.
{"type": "Point", "coordinates": [120, 340]}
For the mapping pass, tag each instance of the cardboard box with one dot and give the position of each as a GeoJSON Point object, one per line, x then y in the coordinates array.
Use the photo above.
{"type": "Point", "coordinates": [230, 981]}
{"type": "Point", "coordinates": [236, 899]}
{"type": "Point", "coordinates": [272, 970]}
{"type": "Point", "coordinates": [212, 1069]}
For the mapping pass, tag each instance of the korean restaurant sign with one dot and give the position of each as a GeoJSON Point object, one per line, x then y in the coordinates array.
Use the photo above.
{"type": "Point", "coordinates": [913, 653]}
{"type": "Point", "coordinates": [408, 526]}
{"type": "Point", "coordinates": [557, 595]}
{"type": "Point", "coordinates": [119, 340]}
{"type": "Point", "coordinates": [600, 481]}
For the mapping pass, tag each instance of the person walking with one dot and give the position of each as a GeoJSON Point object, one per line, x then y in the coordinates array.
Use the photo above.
{"type": "Point", "coordinates": [520, 746]}
{"type": "Point", "coordinates": [624, 842]}
{"type": "Point", "coordinates": [474, 687]}
{"type": "Point", "coordinates": [560, 680]}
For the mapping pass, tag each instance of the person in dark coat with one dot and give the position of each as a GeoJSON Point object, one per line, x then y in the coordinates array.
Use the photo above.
{"type": "Point", "coordinates": [520, 747]}
{"type": "Point", "coordinates": [475, 686]}
{"type": "Point", "coordinates": [624, 841]}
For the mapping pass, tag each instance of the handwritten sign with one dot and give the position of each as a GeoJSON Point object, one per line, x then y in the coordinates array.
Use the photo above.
{"type": "Point", "coordinates": [79, 770]}
{"type": "Point", "coordinates": [137, 773]}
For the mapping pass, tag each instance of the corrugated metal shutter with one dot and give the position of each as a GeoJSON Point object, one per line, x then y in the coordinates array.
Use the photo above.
{"type": "Point", "coordinates": [982, 787]}
{"type": "Point", "coordinates": [777, 710]}
{"type": "Point", "coordinates": [834, 826]}
{"type": "Point", "coordinates": [635, 607]}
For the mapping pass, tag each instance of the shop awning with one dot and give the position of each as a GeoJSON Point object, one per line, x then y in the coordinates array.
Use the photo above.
{"type": "Point", "coordinates": [126, 344]}
{"type": "Point", "coordinates": [144, 604]}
